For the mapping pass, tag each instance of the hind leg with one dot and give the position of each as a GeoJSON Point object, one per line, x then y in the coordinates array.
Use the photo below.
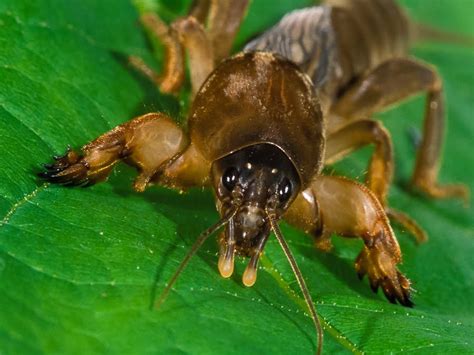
{"type": "Point", "coordinates": [184, 34]}
{"type": "Point", "coordinates": [151, 143]}
{"type": "Point", "coordinates": [205, 45]}
{"type": "Point", "coordinates": [224, 20]}
{"type": "Point", "coordinates": [391, 82]}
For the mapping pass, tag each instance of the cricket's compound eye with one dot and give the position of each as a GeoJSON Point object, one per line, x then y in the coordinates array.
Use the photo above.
{"type": "Point", "coordinates": [230, 177]}
{"type": "Point", "coordinates": [284, 190]}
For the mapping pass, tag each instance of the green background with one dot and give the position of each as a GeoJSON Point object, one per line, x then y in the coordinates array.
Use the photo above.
{"type": "Point", "coordinates": [78, 266]}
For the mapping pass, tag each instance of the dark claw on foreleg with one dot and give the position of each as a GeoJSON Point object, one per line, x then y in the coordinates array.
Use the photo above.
{"type": "Point", "coordinates": [382, 273]}
{"type": "Point", "coordinates": [374, 285]}
{"type": "Point", "coordinates": [399, 290]}
{"type": "Point", "coordinates": [68, 169]}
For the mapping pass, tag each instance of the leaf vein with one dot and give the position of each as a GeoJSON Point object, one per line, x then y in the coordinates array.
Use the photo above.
{"type": "Point", "coordinates": [26, 198]}
{"type": "Point", "coordinates": [336, 334]}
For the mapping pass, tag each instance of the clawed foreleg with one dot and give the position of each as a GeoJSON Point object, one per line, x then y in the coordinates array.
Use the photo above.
{"type": "Point", "coordinates": [154, 144]}
{"type": "Point", "coordinates": [350, 209]}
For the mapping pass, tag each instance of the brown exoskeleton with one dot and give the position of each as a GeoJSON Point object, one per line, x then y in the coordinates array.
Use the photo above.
{"type": "Point", "coordinates": [264, 122]}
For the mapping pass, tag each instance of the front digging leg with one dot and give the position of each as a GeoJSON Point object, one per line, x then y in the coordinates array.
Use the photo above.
{"type": "Point", "coordinates": [377, 260]}
{"type": "Point", "coordinates": [350, 209]}
{"type": "Point", "coordinates": [153, 143]}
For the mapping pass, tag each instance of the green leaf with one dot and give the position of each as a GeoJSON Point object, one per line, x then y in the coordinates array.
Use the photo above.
{"type": "Point", "coordinates": [78, 266]}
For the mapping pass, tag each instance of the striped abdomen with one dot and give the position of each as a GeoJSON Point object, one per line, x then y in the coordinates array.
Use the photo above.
{"type": "Point", "coordinates": [306, 37]}
{"type": "Point", "coordinates": [369, 32]}
{"type": "Point", "coordinates": [337, 42]}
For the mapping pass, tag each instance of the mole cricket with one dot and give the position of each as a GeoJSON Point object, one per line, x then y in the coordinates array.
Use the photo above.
{"type": "Point", "coordinates": [265, 121]}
